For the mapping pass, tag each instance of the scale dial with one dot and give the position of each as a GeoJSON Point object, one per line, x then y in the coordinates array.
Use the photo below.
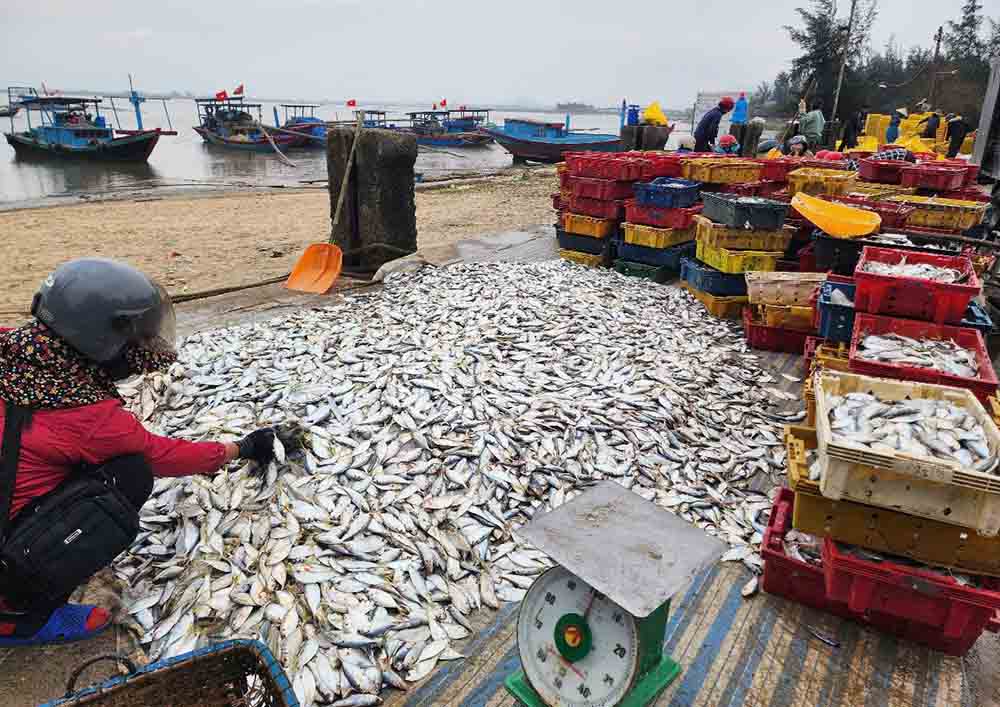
{"type": "Point", "coordinates": [578, 648]}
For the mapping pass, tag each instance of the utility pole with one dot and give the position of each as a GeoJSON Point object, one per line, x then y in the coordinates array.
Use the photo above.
{"type": "Point", "coordinates": [934, 67]}
{"type": "Point", "coordinates": [843, 63]}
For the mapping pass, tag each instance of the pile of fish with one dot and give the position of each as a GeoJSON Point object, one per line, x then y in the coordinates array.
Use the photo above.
{"type": "Point", "coordinates": [939, 354]}
{"type": "Point", "coordinates": [935, 429]}
{"type": "Point", "coordinates": [422, 424]}
{"type": "Point", "coordinates": [966, 580]}
{"type": "Point", "coordinates": [923, 271]}
{"type": "Point", "coordinates": [803, 547]}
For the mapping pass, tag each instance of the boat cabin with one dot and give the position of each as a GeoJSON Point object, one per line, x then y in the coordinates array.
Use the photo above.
{"type": "Point", "coordinates": [536, 129]}
{"type": "Point", "coordinates": [466, 120]}
{"type": "Point", "coordinates": [229, 117]}
{"type": "Point", "coordinates": [64, 120]}
{"type": "Point", "coordinates": [300, 113]}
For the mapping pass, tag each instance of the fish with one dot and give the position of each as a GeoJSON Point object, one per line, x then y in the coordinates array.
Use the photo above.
{"type": "Point", "coordinates": [940, 354]}
{"type": "Point", "coordinates": [923, 271]}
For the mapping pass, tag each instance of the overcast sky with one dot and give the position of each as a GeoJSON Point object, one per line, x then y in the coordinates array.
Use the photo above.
{"type": "Point", "coordinates": [509, 51]}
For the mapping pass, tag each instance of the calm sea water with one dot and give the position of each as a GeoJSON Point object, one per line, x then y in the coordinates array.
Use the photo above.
{"type": "Point", "coordinates": [184, 161]}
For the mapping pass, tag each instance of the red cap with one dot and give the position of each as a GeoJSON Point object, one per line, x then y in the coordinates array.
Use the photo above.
{"type": "Point", "coordinates": [727, 102]}
{"type": "Point", "coordinates": [727, 140]}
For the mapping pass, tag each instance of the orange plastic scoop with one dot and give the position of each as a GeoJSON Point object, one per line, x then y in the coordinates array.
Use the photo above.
{"type": "Point", "coordinates": [837, 220]}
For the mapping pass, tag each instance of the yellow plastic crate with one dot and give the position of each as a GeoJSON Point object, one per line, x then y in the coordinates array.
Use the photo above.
{"type": "Point", "coordinates": [880, 529]}
{"type": "Point", "coordinates": [934, 212]}
{"type": "Point", "coordinates": [652, 237]}
{"type": "Point", "coordinates": [809, 395]}
{"type": "Point", "coordinates": [833, 357]}
{"type": "Point", "coordinates": [879, 191]}
{"type": "Point", "coordinates": [737, 261]}
{"type": "Point", "coordinates": [787, 316]}
{"type": "Point", "coordinates": [722, 307]}
{"type": "Point", "coordinates": [591, 261]}
{"type": "Point", "coordinates": [719, 235]}
{"type": "Point", "coordinates": [588, 225]}
{"type": "Point", "coordinates": [817, 182]}
{"type": "Point", "coordinates": [721, 171]}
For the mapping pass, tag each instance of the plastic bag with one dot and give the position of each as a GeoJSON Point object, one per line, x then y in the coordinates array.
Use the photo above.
{"type": "Point", "coordinates": [653, 115]}
{"type": "Point", "coordinates": [773, 154]}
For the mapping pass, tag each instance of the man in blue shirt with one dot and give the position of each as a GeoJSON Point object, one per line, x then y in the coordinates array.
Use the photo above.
{"type": "Point", "coordinates": [708, 127]}
{"type": "Point", "coordinates": [741, 112]}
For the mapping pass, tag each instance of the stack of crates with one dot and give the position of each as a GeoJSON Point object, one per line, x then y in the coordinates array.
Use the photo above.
{"type": "Point", "coordinates": [780, 315]}
{"type": "Point", "coordinates": [659, 227]}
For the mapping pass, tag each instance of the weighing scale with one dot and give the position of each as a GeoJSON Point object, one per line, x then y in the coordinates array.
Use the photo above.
{"type": "Point", "coordinates": [590, 630]}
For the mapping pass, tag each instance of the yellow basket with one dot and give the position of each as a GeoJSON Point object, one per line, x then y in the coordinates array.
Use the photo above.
{"type": "Point", "coordinates": [719, 235]}
{"type": "Point", "coordinates": [809, 395]}
{"type": "Point", "coordinates": [588, 225]}
{"type": "Point", "coordinates": [575, 256]}
{"type": "Point", "coordinates": [788, 317]}
{"type": "Point", "coordinates": [722, 307]}
{"type": "Point", "coordinates": [879, 191]}
{"type": "Point", "coordinates": [817, 182]}
{"type": "Point", "coordinates": [737, 261]}
{"type": "Point", "coordinates": [721, 171]}
{"type": "Point", "coordinates": [833, 357]}
{"type": "Point", "coordinates": [652, 237]}
{"type": "Point", "coordinates": [880, 529]}
{"type": "Point", "coordinates": [933, 212]}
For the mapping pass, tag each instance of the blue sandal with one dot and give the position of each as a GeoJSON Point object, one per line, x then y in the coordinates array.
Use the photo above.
{"type": "Point", "coordinates": [67, 624]}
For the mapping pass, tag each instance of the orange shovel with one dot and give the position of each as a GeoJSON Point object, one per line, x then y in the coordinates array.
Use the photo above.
{"type": "Point", "coordinates": [320, 264]}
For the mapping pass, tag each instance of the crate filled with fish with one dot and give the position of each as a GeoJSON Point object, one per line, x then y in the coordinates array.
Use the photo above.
{"type": "Point", "coordinates": [760, 336]}
{"type": "Point", "coordinates": [794, 569]}
{"type": "Point", "coordinates": [908, 349]}
{"type": "Point", "coordinates": [927, 450]}
{"type": "Point", "coordinates": [667, 193]}
{"type": "Point", "coordinates": [745, 212]}
{"type": "Point", "coordinates": [934, 288]}
{"type": "Point", "coordinates": [841, 255]}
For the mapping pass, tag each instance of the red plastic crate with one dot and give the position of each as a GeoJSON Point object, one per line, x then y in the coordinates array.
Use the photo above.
{"type": "Point", "coordinates": [660, 217]}
{"type": "Point", "coordinates": [912, 297]}
{"type": "Point", "coordinates": [893, 214]}
{"type": "Point", "coordinates": [812, 342]}
{"type": "Point", "coordinates": [969, 193]}
{"type": "Point", "coordinates": [971, 170]}
{"type": "Point", "coordinates": [744, 189]}
{"type": "Point", "coordinates": [806, 584]}
{"type": "Point", "coordinates": [603, 189]}
{"type": "Point", "coordinates": [881, 171]}
{"type": "Point", "coordinates": [601, 165]}
{"type": "Point", "coordinates": [984, 386]}
{"type": "Point", "coordinates": [557, 202]}
{"type": "Point", "coordinates": [807, 259]}
{"type": "Point", "coordinates": [777, 170]}
{"type": "Point", "coordinates": [596, 207]}
{"type": "Point", "coordinates": [666, 164]}
{"type": "Point", "coordinates": [768, 338]}
{"type": "Point", "coordinates": [928, 176]}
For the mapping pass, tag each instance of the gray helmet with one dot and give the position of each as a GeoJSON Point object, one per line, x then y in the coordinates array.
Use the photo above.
{"type": "Point", "coordinates": [98, 306]}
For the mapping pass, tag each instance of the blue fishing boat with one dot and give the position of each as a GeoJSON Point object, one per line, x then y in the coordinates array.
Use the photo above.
{"type": "Point", "coordinates": [300, 119]}
{"type": "Point", "coordinates": [73, 128]}
{"type": "Point", "coordinates": [448, 128]}
{"type": "Point", "coordinates": [232, 123]}
{"type": "Point", "coordinates": [542, 141]}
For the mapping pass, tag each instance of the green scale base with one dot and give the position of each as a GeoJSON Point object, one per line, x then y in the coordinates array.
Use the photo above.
{"type": "Point", "coordinates": [642, 693]}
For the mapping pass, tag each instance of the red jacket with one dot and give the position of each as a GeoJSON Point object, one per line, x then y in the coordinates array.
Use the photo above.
{"type": "Point", "coordinates": [57, 441]}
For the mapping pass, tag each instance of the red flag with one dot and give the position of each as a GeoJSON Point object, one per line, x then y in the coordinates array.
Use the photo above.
{"type": "Point", "coordinates": [352, 103]}
{"type": "Point", "coordinates": [444, 102]}
{"type": "Point", "coordinates": [221, 96]}
{"type": "Point", "coordinates": [238, 91]}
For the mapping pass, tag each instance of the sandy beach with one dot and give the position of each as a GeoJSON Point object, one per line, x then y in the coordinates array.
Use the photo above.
{"type": "Point", "coordinates": [196, 243]}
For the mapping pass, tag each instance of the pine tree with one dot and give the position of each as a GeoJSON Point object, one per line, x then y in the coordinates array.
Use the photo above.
{"type": "Point", "coordinates": [963, 40]}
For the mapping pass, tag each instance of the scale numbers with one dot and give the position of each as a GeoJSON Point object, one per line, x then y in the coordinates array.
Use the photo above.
{"type": "Point", "coordinates": [578, 648]}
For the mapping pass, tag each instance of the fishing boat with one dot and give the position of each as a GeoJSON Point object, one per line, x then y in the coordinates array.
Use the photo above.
{"type": "Point", "coordinates": [448, 128]}
{"type": "Point", "coordinates": [300, 119]}
{"type": "Point", "coordinates": [542, 141]}
{"type": "Point", "coordinates": [232, 123]}
{"type": "Point", "coordinates": [73, 128]}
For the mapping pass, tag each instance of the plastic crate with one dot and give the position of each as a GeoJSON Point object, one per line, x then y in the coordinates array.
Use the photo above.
{"type": "Point", "coordinates": [597, 208]}
{"type": "Point", "coordinates": [669, 258]}
{"type": "Point", "coordinates": [807, 259]}
{"type": "Point", "coordinates": [582, 244]}
{"type": "Point", "coordinates": [972, 193]}
{"type": "Point", "coordinates": [818, 182]}
{"type": "Point", "coordinates": [971, 170]}
{"type": "Point", "coordinates": [833, 356]}
{"type": "Point", "coordinates": [777, 170]}
{"type": "Point", "coordinates": [893, 215]}
{"type": "Point", "coordinates": [934, 212]}
{"type": "Point", "coordinates": [881, 529]}
{"type": "Point", "coordinates": [927, 176]}
{"type": "Point", "coordinates": [667, 193]}
{"type": "Point", "coordinates": [912, 297]}
{"type": "Point", "coordinates": [841, 255]}
{"type": "Point", "coordinates": [977, 318]}
{"type": "Point", "coordinates": [557, 202]}
{"type": "Point", "coordinates": [984, 385]}
{"type": "Point", "coordinates": [719, 235]}
{"type": "Point", "coordinates": [794, 289]}
{"type": "Point", "coordinates": [809, 352]}
{"type": "Point", "coordinates": [765, 338]}
{"type": "Point", "coordinates": [603, 189]}
{"type": "Point", "coordinates": [604, 166]}
{"type": "Point", "coordinates": [835, 321]}
{"type": "Point", "coordinates": [660, 217]}
{"type": "Point", "coordinates": [649, 272]}
{"type": "Point", "coordinates": [653, 237]}
{"type": "Point", "coordinates": [583, 225]}
{"type": "Point", "coordinates": [805, 584]}
{"type": "Point", "coordinates": [930, 488]}
{"type": "Point", "coordinates": [788, 317]}
{"type": "Point", "coordinates": [715, 170]}
{"type": "Point", "coordinates": [707, 279]}
{"type": "Point", "coordinates": [745, 212]}
{"type": "Point", "coordinates": [879, 191]}
{"type": "Point", "coordinates": [588, 259]}
{"type": "Point", "coordinates": [737, 261]}
{"type": "Point", "coordinates": [881, 171]}
{"type": "Point", "coordinates": [722, 307]}
{"type": "Point", "coordinates": [661, 164]}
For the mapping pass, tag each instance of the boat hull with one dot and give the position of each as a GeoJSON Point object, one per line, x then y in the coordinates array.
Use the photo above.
{"type": "Point", "coordinates": [455, 140]}
{"type": "Point", "coordinates": [261, 145]}
{"type": "Point", "coordinates": [550, 150]}
{"type": "Point", "coordinates": [131, 148]}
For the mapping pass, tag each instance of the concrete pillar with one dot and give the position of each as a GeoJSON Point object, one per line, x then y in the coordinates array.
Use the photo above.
{"type": "Point", "coordinates": [378, 222]}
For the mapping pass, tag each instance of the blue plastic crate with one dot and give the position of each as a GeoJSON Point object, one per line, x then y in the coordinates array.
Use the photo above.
{"type": "Point", "coordinates": [668, 193]}
{"type": "Point", "coordinates": [836, 321]}
{"type": "Point", "coordinates": [707, 279]}
{"type": "Point", "coordinates": [977, 318]}
{"type": "Point", "coordinates": [666, 257]}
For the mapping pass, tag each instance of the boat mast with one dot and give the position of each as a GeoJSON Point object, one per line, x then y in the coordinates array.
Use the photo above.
{"type": "Point", "coordinates": [136, 100]}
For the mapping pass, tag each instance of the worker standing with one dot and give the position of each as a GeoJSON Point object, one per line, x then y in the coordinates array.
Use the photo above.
{"type": "Point", "coordinates": [853, 128]}
{"type": "Point", "coordinates": [708, 127]}
{"type": "Point", "coordinates": [738, 122]}
{"type": "Point", "coordinates": [811, 124]}
{"type": "Point", "coordinates": [77, 465]}
{"type": "Point", "coordinates": [933, 122]}
{"type": "Point", "coordinates": [958, 129]}
{"type": "Point", "coordinates": [892, 132]}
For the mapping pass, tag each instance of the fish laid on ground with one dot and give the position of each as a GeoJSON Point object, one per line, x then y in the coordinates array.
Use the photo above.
{"type": "Point", "coordinates": [421, 425]}
{"type": "Point", "coordinates": [941, 354]}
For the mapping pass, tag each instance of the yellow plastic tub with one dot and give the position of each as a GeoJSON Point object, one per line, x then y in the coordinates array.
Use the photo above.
{"type": "Point", "coordinates": [837, 220]}
{"type": "Point", "coordinates": [575, 256]}
{"type": "Point", "coordinates": [652, 237]}
{"type": "Point", "coordinates": [787, 317]}
{"type": "Point", "coordinates": [588, 225]}
{"type": "Point", "coordinates": [737, 261]}
{"type": "Point", "coordinates": [719, 235]}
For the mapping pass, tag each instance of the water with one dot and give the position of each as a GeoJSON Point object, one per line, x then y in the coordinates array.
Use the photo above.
{"type": "Point", "coordinates": [184, 161]}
